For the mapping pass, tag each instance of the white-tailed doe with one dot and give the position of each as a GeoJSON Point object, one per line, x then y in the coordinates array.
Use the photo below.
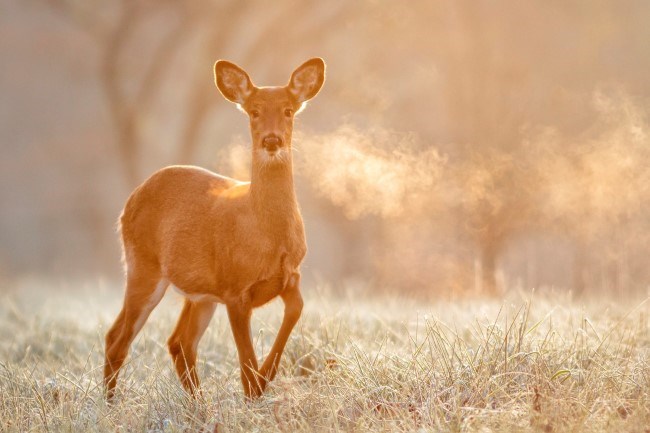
{"type": "Point", "coordinates": [219, 240]}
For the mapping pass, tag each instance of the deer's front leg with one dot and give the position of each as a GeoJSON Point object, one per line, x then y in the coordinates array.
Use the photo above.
{"type": "Point", "coordinates": [240, 323]}
{"type": "Point", "coordinates": [292, 310]}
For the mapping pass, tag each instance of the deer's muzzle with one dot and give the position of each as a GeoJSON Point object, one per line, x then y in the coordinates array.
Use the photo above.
{"type": "Point", "coordinates": [271, 143]}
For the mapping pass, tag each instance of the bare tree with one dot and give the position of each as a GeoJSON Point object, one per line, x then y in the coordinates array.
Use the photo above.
{"type": "Point", "coordinates": [494, 171]}
{"type": "Point", "coordinates": [219, 27]}
{"type": "Point", "coordinates": [596, 192]}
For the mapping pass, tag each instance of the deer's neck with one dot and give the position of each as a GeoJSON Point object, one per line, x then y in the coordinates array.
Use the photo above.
{"type": "Point", "coordinates": [273, 196]}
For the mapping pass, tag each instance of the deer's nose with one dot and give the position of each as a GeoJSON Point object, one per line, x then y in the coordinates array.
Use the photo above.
{"type": "Point", "coordinates": [272, 142]}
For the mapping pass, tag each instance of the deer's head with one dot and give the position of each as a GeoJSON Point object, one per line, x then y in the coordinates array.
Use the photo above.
{"type": "Point", "coordinates": [271, 110]}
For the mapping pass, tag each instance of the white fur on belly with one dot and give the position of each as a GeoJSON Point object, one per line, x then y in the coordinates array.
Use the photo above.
{"type": "Point", "coordinates": [197, 297]}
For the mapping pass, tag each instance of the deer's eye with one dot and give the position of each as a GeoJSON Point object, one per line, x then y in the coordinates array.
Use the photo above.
{"type": "Point", "coordinates": [288, 112]}
{"type": "Point", "coordinates": [255, 114]}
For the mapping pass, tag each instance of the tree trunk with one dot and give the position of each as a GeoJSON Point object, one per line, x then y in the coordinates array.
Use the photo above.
{"type": "Point", "coordinates": [488, 269]}
{"type": "Point", "coordinates": [579, 268]}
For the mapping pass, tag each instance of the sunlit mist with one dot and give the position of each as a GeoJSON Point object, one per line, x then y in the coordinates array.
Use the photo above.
{"type": "Point", "coordinates": [374, 172]}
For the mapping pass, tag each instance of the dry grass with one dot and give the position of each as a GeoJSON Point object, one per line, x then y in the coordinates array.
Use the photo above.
{"type": "Point", "coordinates": [529, 363]}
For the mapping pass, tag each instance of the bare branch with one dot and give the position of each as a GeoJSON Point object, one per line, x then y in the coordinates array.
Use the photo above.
{"type": "Point", "coordinates": [162, 56]}
{"type": "Point", "coordinates": [81, 16]}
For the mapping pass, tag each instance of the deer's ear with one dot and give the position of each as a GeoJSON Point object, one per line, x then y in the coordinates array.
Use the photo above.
{"type": "Point", "coordinates": [232, 81]}
{"type": "Point", "coordinates": [307, 79]}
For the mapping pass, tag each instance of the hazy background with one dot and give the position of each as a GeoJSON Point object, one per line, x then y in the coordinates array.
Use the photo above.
{"type": "Point", "coordinates": [456, 147]}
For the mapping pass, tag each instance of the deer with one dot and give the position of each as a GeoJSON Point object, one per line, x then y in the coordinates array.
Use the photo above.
{"type": "Point", "coordinates": [218, 240]}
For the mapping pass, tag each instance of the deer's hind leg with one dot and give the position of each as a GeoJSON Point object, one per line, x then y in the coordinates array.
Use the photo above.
{"type": "Point", "coordinates": [191, 326]}
{"type": "Point", "coordinates": [144, 290]}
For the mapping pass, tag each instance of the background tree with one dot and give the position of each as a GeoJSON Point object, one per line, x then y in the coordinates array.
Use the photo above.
{"type": "Point", "coordinates": [597, 192]}
{"type": "Point", "coordinates": [136, 72]}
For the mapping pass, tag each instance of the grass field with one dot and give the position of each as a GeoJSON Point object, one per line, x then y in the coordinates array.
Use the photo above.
{"type": "Point", "coordinates": [526, 363]}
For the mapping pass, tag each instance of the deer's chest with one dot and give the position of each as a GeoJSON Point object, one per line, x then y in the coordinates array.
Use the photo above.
{"type": "Point", "coordinates": [262, 264]}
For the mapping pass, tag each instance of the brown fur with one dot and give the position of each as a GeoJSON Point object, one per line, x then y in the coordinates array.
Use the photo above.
{"type": "Point", "coordinates": [218, 239]}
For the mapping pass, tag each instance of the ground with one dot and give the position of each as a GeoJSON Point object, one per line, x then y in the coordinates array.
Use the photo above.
{"type": "Point", "coordinates": [527, 362]}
